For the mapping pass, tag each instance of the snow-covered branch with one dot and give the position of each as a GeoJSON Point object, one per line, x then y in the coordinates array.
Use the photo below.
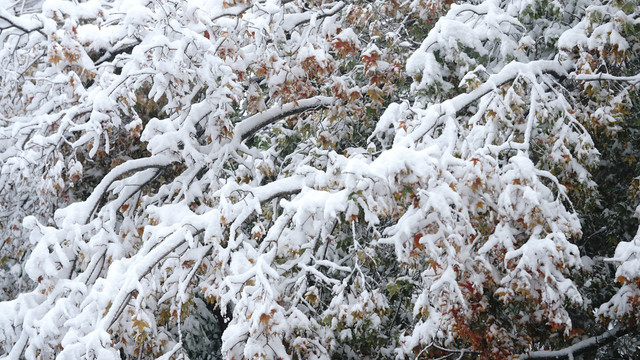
{"type": "Point", "coordinates": [450, 107]}
{"type": "Point", "coordinates": [607, 77]}
{"type": "Point", "coordinates": [19, 23]}
{"type": "Point", "coordinates": [299, 19]}
{"type": "Point", "coordinates": [181, 176]}
{"type": "Point", "coordinates": [81, 212]}
{"type": "Point", "coordinates": [249, 126]}
{"type": "Point", "coordinates": [587, 345]}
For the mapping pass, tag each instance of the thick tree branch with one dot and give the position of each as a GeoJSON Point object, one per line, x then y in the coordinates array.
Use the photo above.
{"type": "Point", "coordinates": [110, 55]}
{"type": "Point", "coordinates": [249, 126]}
{"type": "Point", "coordinates": [584, 346]}
{"type": "Point", "coordinates": [244, 129]}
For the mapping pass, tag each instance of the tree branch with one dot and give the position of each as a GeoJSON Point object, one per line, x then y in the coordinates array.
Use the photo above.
{"type": "Point", "coordinates": [252, 124]}
{"type": "Point", "coordinates": [82, 212]}
{"type": "Point", "coordinates": [607, 77]}
{"type": "Point", "coordinates": [581, 347]}
{"type": "Point", "coordinates": [13, 22]}
{"type": "Point", "coordinates": [110, 55]}
{"type": "Point", "coordinates": [319, 15]}
{"type": "Point", "coordinates": [456, 104]}
{"type": "Point", "coordinates": [461, 352]}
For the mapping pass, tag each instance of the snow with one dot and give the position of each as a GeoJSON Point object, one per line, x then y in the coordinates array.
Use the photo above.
{"type": "Point", "coordinates": [292, 211]}
{"type": "Point", "coordinates": [348, 35]}
{"type": "Point", "coordinates": [81, 212]}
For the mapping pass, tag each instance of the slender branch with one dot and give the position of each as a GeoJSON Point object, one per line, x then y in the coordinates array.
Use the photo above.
{"type": "Point", "coordinates": [607, 77]}
{"type": "Point", "coordinates": [462, 352]}
{"type": "Point", "coordinates": [229, 12]}
{"type": "Point", "coordinates": [320, 15]}
{"type": "Point", "coordinates": [83, 211]}
{"type": "Point", "coordinates": [510, 72]}
{"type": "Point", "coordinates": [4, 15]}
{"type": "Point", "coordinates": [121, 300]}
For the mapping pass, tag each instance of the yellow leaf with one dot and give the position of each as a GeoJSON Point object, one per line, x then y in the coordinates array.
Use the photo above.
{"type": "Point", "coordinates": [140, 324]}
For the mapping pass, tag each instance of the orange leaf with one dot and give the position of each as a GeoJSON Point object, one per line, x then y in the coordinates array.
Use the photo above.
{"type": "Point", "coordinates": [416, 241]}
{"type": "Point", "coordinates": [264, 319]}
{"type": "Point", "coordinates": [622, 280]}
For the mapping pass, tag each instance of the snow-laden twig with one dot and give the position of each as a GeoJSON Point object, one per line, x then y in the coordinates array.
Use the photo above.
{"type": "Point", "coordinates": [607, 77]}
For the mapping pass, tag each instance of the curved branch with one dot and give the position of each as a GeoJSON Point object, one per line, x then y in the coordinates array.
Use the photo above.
{"type": "Point", "coordinates": [14, 22]}
{"type": "Point", "coordinates": [460, 352]}
{"type": "Point", "coordinates": [509, 73]}
{"type": "Point", "coordinates": [81, 212]}
{"type": "Point", "coordinates": [252, 124]}
{"type": "Point", "coordinates": [305, 18]}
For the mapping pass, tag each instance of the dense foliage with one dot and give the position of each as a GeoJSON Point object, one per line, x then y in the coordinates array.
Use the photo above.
{"type": "Point", "coordinates": [314, 179]}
